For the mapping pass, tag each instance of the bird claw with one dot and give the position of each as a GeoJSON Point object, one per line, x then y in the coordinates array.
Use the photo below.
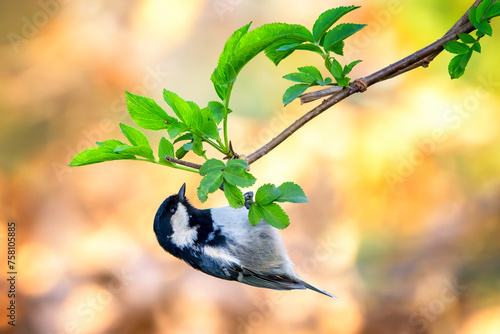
{"type": "Point", "coordinates": [248, 199]}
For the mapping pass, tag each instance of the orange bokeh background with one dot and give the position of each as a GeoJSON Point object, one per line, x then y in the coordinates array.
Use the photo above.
{"type": "Point", "coordinates": [404, 179]}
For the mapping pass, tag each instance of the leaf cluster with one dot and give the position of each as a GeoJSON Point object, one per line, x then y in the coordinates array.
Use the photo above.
{"type": "Point", "coordinates": [233, 175]}
{"type": "Point", "coordinates": [325, 39]}
{"type": "Point", "coordinates": [265, 206]}
{"type": "Point", "coordinates": [190, 128]}
{"type": "Point", "coordinates": [229, 176]}
{"type": "Point", "coordinates": [467, 44]}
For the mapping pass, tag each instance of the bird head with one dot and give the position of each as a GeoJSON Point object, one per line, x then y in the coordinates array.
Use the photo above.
{"type": "Point", "coordinates": [172, 223]}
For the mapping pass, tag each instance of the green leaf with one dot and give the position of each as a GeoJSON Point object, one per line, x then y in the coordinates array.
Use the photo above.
{"type": "Point", "coordinates": [486, 28]}
{"type": "Point", "coordinates": [137, 139]}
{"type": "Point", "coordinates": [236, 173]}
{"type": "Point", "coordinates": [234, 195]}
{"type": "Point", "coordinates": [220, 88]}
{"type": "Point", "coordinates": [183, 150]}
{"type": "Point", "coordinates": [308, 47]}
{"type": "Point", "coordinates": [184, 137]}
{"type": "Point", "coordinates": [196, 116]}
{"type": "Point", "coordinates": [198, 146]}
{"type": "Point", "coordinates": [344, 82]}
{"type": "Point", "coordinates": [312, 71]}
{"type": "Point", "coordinates": [146, 113]}
{"type": "Point", "coordinates": [327, 81]}
{"type": "Point", "coordinates": [110, 143]}
{"type": "Point", "coordinates": [493, 11]}
{"type": "Point", "coordinates": [300, 77]}
{"type": "Point", "coordinates": [293, 92]}
{"type": "Point", "coordinates": [481, 9]}
{"type": "Point", "coordinates": [339, 33]}
{"type": "Point", "coordinates": [141, 151]}
{"type": "Point", "coordinates": [209, 184]}
{"type": "Point", "coordinates": [176, 129]}
{"type": "Point", "coordinates": [202, 195]}
{"type": "Point", "coordinates": [338, 48]}
{"type": "Point", "coordinates": [224, 57]}
{"type": "Point", "coordinates": [238, 177]}
{"type": "Point", "coordinates": [165, 148]}
{"type": "Point", "coordinates": [239, 163]}
{"type": "Point", "coordinates": [134, 136]}
{"type": "Point", "coordinates": [336, 70]}
{"type": "Point", "coordinates": [291, 192]}
{"type": "Point", "coordinates": [456, 47]}
{"type": "Point", "coordinates": [482, 26]}
{"type": "Point", "coordinates": [284, 44]}
{"type": "Point", "coordinates": [218, 111]}
{"type": "Point", "coordinates": [472, 16]}
{"type": "Point", "coordinates": [281, 49]}
{"type": "Point", "coordinates": [338, 73]}
{"type": "Point", "coordinates": [327, 19]}
{"type": "Point", "coordinates": [348, 68]}
{"type": "Point", "coordinates": [241, 51]}
{"type": "Point", "coordinates": [254, 215]}
{"type": "Point", "coordinates": [260, 38]}
{"type": "Point", "coordinates": [457, 65]}
{"type": "Point", "coordinates": [476, 47]}
{"type": "Point", "coordinates": [267, 194]}
{"type": "Point", "coordinates": [466, 38]}
{"type": "Point", "coordinates": [180, 107]}
{"type": "Point", "coordinates": [232, 42]}
{"type": "Point", "coordinates": [274, 215]}
{"type": "Point", "coordinates": [277, 56]}
{"type": "Point", "coordinates": [211, 165]}
{"type": "Point", "coordinates": [229, 74]}
{"type": "Point", "coordinates": [208, 127]}
{"type": "Point", "coordinates": [287, 47]}
{"type": "Point", "coordinates": [97, 154]}
{"type": "Point", "coordinates": [223, 78]}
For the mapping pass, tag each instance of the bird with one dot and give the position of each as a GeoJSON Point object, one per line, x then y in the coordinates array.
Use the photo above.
{"type": "Point", "coordinates": [222, 243]}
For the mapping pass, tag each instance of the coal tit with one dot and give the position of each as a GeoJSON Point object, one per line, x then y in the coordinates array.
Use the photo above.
{"type": "Point", "coordinates": [221, 242]}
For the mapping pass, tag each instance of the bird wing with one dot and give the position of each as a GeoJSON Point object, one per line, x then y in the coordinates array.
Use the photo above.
{"type": "Point", "coordinates": [219, 263]}
{"type": "Point", "coordinates": [275, 282]}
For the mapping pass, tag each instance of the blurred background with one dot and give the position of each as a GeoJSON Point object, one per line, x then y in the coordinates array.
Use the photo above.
{"type": "Point", "coordinates": [404, 179]}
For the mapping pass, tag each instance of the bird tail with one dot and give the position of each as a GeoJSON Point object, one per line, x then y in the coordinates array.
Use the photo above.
{"type": "Point", "coordinates": [311, 287]}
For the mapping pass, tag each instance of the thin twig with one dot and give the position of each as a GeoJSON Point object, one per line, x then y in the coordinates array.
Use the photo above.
{"type": "Point", "coordinates": [420, 58]}
{"type": "Point", "coordinates": [316, 95]}
{"type": "Point", "coordinates": [182, 162]}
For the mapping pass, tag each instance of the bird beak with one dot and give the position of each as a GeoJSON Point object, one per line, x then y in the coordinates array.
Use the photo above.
{"type": "Point", "coordinates": [182, 192]}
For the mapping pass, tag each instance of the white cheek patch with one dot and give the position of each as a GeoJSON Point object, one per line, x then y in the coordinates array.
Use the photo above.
{"type": "Point", "coordinates": [183, 234]}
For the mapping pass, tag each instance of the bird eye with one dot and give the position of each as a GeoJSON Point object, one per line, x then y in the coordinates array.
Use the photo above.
{"type": "Point", "coordinates": [172, 209]}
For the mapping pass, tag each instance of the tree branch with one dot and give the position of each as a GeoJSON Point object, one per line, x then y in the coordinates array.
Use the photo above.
{"type": "Point", "coordinates": [420, 58]}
